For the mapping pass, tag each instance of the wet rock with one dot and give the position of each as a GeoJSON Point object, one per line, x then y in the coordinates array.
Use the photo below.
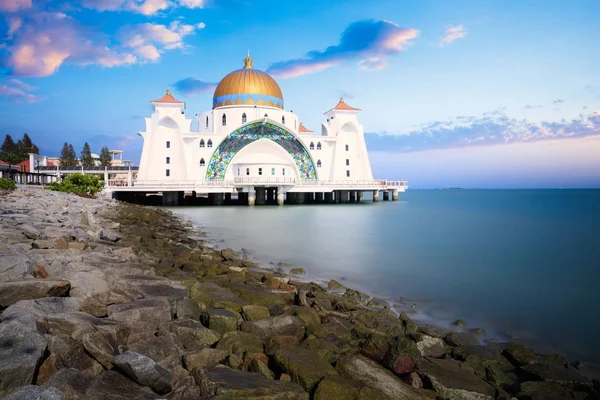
{"type": "Point", "coordinates": [221, 320]}
{"type": "Point", "coordinates": [72, 383]}
{"type": "Point", "coordinates": [376, 302]}
{"type": "Point", "coordinates": [461, 339]}
{"type": "Point", "coordinates": [335, 286]}
{"type": "Point", "coordinates": [368, 373]}
{"type": "Point", "coordinates": [409, 327]}
{"type": "Point", "coordinates": [375, 347]}
{"type": "Point", "coordinates": [335, 387]}
{"type": "Point", "coordinates": [448, 380]}
{"type": "Point", "coordinates": [187, 309]}
{"type": "Point", "coordinates": [589, 370]}
{"type": "Point", "coordinates": [556, 373]}
{"type": "Point", "coordinates": [31, 392]}
{"type": "Point", "coordinates": [260, 367]}
{"type": "Point", "coordinates": [413, 380]}
{"type": "Point", "coordinates": [519, 355]}
{"type": "Point", "coordinates": [356, 296]}
{"type": "Point", "coordinates": [303, 365]}
{"type": "Point", "coordinates": [402, 356]}
{"type": "Point", "coordinates": [112, 385]}
{"type": "Point", "coordinates": [234, 384]}
{"type": "Point", "coordinates": [27, 289]}
{"type": "Point", "coordinates": [151, 311]}
{"type": "Point", "coordinates": [240, 343]}
{"type": "Point", "coordinates": [274, 343]}
{"type": "Point", "coordinates": [102, 347]}
{"type": "Point", "coordinates": [297, 271]}
{"type": "Point", "coordinates": [284, 325]}
{"type": "Point", "coordinates": [253, 312]}
{"type": "Point", "coordinates": [144, 371]}
{"type": "Point", "coordinates": [204, 358]}
{"type": "Point", "coordinates": [430, 346]}
{"type": "Point", "coordinates": [193, 335]}
{"type": "Point", "coordinates": [214, 296]}
{"type": "Point", "coordinates": [21, 352]}
{"type": "Point", "coordinates": [149, 286]}
{"type": "Point", "coordinates": [544, 391]}
{"type": "Point", "coordinates": [234, 361]}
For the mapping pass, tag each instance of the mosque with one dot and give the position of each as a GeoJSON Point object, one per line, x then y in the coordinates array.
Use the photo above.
{"type": "Point", "coordinates": [250, 147]}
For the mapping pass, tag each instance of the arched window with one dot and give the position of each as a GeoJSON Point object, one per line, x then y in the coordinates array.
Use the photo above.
{"type": "Point", "coordinates": [243, 118]}
{"type": "Point", "coordinates": [209, 143]}
{"type": "Point", "coordinates": [319, 163]}
{"type": "Point", "coordinates": [312, 146]}
{"type": "Point", "coordinates": [224, 120]}
{"type": "Point", "coordinates": [207, 121]}
{"type": "Point", "coordinates": [202, 163]}
{"type": "Point", "coordinates": [283, 120]}
{"type": "Point", "coordinates": [201, 142]}
{"type": "Point", "coordinates": [319, 146]}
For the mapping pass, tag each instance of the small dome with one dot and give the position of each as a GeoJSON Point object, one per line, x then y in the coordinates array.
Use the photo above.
{"type": "Point", "coordinates": [248, 86]}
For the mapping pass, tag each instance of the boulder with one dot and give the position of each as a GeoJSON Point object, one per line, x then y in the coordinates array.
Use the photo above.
{"type": "Point", "coordinates": [166, 350]}
{"type": "Point", "coordinates": [303, 365]}
{"type": "Point", "coordinates": [335, 387]}
{"type": "Point", "coordinates": [103, 347]}
{"type": "Point", "coordinates": [297, 271]}
{"type": "Point", "coordinates": [377, 302]}
{"type": "Point", "coordinates": [240, 343]}
{"type": "Point", "coordinates": [72, 383]}
{"type": "Point", "coordinates": [519, 355]}
{"type": "Point", "coordinates": [368, 373]}
{"type": "Point", "coordinates": [283, 325]}
{"type": "Point", "coordinates": [112, 385]}
{"type": "Point", "coordinates": [253, 312]}
{"type": "Point", "coordinates": [449, 380]}
{"type": "Point", "coordinates": [335, 286]}
{"type": "Point", "coordinates": [402, 356]}
{"type": "Point", "coordinates": [14, 266]}
{"type": "Point", "coordinates": [21, 352]}
{"type": "Point", "coordinates": [204, 358]}
{"type": "Point", "coordinates": [144, 371]}
{"type": "Point", "coordinates": [233, 384]}
{"type": "Point", "coordinates": [39, 309]}
{"type": "Point", "coordinates": [274, 343]}
{"type": "Point", "coordinates": [461, 339]}
{"type": "Point", "coordinates": [221, 320]}
{"type": "Point", "coordinates": [27, 289]}
{"type": "Point", "coordinates": [76, 324]}
{"type": "Point", "coordinates": [375, 347]}
{"type": "Point", "coordinates": [49, 367]}
{"type": "Point", "coordinates": [151, 311]}
{"type": "Point", "coordinates": [589, 370]}
{"type": "Point", "coordinates": [555, 373]}
{"type": "Point", "coordinates": [430, 346]}
{"type": "Point", "coordinates": [153, 286]}
{"type": "Point", "coordinates": [544, 391]}
{"type": "Point", "coordinates": [193, 335]}
{"type": "Point", "coordinates": [187, 309]}
{"type": "Point", "coordinates": [32, 392]}
{"type": "Point", "coordinates": [214, 296]}
{"type": "Point", "coordinates": [259, 366]}
{"type": "Point", "coordinates": [73, 354]}
{"type": "Point", "coordinates": [110, 235]}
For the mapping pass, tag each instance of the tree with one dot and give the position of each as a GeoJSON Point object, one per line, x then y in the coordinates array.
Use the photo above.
{"type": "Point", "coordinates": [86, 156]}
{"type": "Point", "coordinates": [68, 156]}
{"type": "Point", "coordinates": [28, 145]}
{"type": "Point", "coordinates": [105, 157]}
{"type": "Point", "coordinates": [9, 152]}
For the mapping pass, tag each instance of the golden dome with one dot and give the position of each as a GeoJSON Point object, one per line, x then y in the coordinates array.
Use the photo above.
{"type": "Point", "coordinates": [248, 86]}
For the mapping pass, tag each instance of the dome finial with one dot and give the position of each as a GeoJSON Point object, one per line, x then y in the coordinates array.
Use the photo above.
{"type": "Point", "coordinates": [168, 91]}
{"type": "Point", "coordinates": [248, 61]}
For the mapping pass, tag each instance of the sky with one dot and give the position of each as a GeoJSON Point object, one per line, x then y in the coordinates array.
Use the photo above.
{"type": "Point", "coordinates": [464, 93]}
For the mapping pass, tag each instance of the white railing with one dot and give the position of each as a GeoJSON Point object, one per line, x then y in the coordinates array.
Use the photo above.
{"type": "Point", "coordinates": [168, 184]}
{"type": "Point", "coordinates": [264, 179]}
{"type": "Point", "coordinates": [397, 183]}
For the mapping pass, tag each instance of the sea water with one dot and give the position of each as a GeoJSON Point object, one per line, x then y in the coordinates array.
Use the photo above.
{"type": "Point", "coordinates": [522, 264]}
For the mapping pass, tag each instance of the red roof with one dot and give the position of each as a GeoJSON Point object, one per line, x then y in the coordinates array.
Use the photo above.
{"type": "Point", "coordinates": [343, 106]}
{"type": "Point", "coordinates": [167, 98]}
{"type": "Point", "coordinates": [302, 128]}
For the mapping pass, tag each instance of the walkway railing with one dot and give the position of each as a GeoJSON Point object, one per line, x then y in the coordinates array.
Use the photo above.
{"type": "Point", "coordinates": [264, 180]}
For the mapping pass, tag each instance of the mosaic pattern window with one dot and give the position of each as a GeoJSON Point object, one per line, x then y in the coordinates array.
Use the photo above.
{"type": "Point", "coordinates": [242, 137]}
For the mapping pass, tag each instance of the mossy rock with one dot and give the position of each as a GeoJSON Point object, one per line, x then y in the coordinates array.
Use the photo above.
{"type": "Point", "coordinates": [240, 343]}
{"type": "Point", "coordinates": [335, 387]}
{"type": "Point", "coordinates": [304, 366]}
{"type": "Point", "coordinates": [253, 312]}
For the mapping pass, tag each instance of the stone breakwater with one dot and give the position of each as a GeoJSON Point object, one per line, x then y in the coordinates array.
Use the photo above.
{"type": "Point", "coordinates": [103, 300]}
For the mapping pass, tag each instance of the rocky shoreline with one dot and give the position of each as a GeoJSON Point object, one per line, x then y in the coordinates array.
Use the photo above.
{"type": "Point", "coordinates": [106, 300]}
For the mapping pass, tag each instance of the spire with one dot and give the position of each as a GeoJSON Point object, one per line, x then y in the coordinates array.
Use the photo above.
{"type": "Point", "coordinates": [248, 61]}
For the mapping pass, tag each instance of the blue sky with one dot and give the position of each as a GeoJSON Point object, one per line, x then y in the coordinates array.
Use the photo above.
{"type": "Point", "coordinates": [454, 93]}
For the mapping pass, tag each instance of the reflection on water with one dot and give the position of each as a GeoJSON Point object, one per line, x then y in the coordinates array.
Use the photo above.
{"type": "Point", "coordinates": [515, 261]}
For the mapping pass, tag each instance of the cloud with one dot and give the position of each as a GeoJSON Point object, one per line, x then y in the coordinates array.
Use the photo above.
{"type": "Point", "coordinates": [9, 6]}
{"type": "Point", "coordinates": [532, 106]}
{"type": "Point", "coordinates": [453, 33]}
{"type": "Point", "coordinates": [194, 86]}
{"type": "Point", "coordinates": [14, 23]}
{"type": "Point", "coordinates": [193, 3]}
{"type": "Point", "coordinates": [145, 39]}
{"type": "Point", "coordinates": [558, 101]}
{"type": "Point", "coordinates": [16, 91]}
{"type": "Point", "coordinates": [491, 128]}
{"type": "Point", "coordinates": [371, 42]}
{"type": "Point", "coordinates": [145, 7]}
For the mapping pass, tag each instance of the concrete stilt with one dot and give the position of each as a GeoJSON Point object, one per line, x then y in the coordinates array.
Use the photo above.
{"type": "Point", "coordinates": [300, 198]}
{"type": "Point", "coordinates": [251, 196]}
{"type": "Point", "coordinates": [386, 195]}
{"type": "Point", "coordinates": [352, 196]}
{"type": "Point", "coordinates": [260, 196]}
{"type": "Point", "coordinates": [394, 195]}
{"type": "Point", "coordinates": [360, 196]}
{"type": "Point", "coordinates": [375, 196]}
{"type": "Point", "coordinates": [280, 199]}
{"type": "Point", "coordinates": [227, 197]}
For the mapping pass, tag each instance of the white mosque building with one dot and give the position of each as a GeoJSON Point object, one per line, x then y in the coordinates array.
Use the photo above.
{"type": "Point", "coordinates": [248, 145]}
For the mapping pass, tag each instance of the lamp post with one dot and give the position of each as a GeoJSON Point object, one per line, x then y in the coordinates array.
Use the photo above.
{"type": "Point", "coordinates": [37, 164]}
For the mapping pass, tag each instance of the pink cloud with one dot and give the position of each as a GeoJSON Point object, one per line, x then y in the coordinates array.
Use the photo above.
{"type": "Point", "coordinates": [16, 91]}
{"type": "Point", "coordinates": [14, 5]}
{"type": "Point", "coordinates": [453, 33]}
{"type": "Point", "coordinates": [14, 23]}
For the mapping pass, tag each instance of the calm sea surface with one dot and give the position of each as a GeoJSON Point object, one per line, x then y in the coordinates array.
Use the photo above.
{"type": "Point", "coordinates": [519, 263]}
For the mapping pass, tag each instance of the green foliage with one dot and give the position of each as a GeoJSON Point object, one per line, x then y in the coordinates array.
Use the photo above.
{"type": "Point", "coordinates": [7, 184]}
{"type": "Point", "coordinates": [105, 157]}
{"type": "Point", "coordinates": [14, 153]}
{"type": "Point", "coordinates": [86, 156]}
{"type": "Point", "coordinates": [68, 158]}
{"type": "Point", "coordinates": [85, 185]}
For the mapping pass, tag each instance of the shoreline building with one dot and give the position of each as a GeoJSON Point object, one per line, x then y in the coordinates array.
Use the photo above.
{"type": "Point", "coordinates": [249, 145]}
